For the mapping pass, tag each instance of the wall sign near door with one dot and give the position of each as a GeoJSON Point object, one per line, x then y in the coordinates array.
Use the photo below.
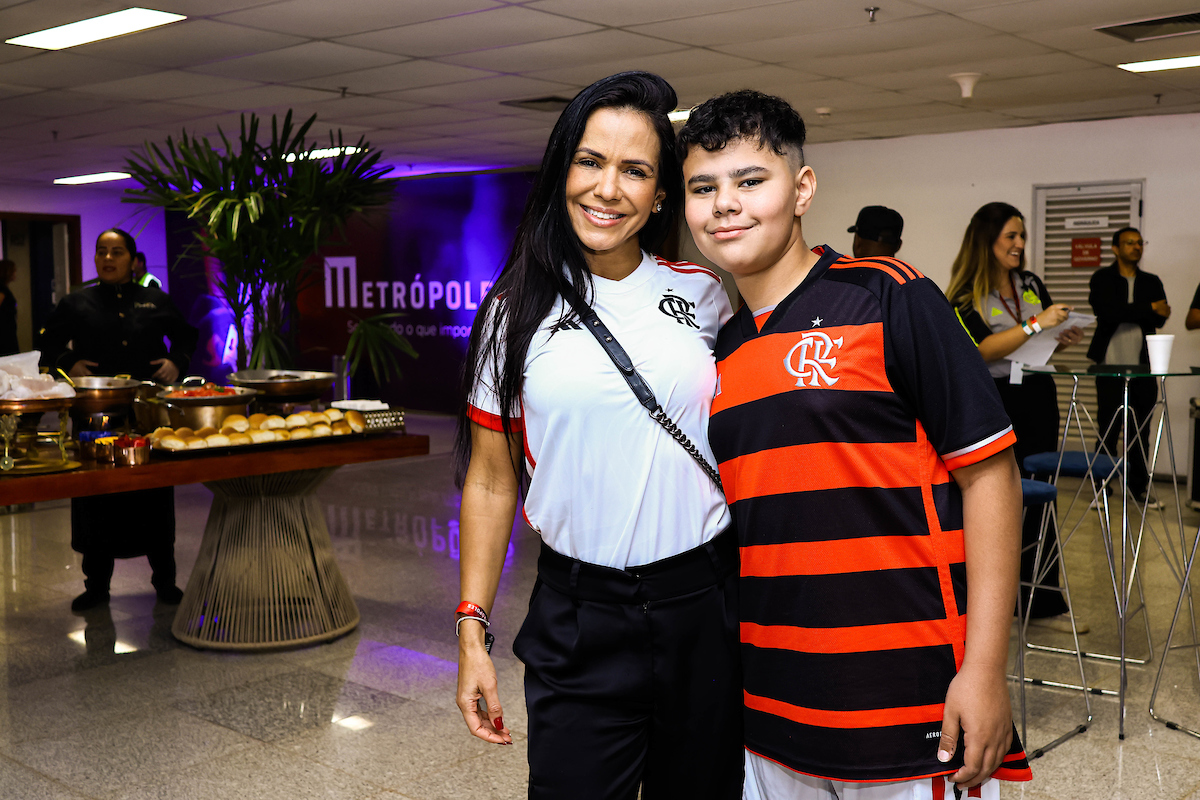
{"type": "Point", "coordinates": [1085, 252]}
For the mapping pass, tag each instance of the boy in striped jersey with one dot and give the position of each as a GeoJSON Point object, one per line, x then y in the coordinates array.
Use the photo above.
{"type": "Point", "coordinates": [867, 460]}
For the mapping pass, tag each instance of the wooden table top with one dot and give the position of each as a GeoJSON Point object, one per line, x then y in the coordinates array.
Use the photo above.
{"type": "Point", "coordinates": [165, 470]}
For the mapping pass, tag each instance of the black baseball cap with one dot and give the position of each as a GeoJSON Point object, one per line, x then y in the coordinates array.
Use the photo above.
{"type": "Point", "coordinates": [879, 224]}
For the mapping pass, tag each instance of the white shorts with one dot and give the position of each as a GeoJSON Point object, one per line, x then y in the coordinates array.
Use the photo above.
{"type": "Point", "coordinates": [766, 780]}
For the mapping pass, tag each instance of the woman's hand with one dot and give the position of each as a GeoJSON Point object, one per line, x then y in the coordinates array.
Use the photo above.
{"type": "Point", "coordinates": [1054, 315]}
{"type": "Point", "coordinates": [167, 372]}
{"type": "Point", "coordinates": [82, 368]}
{"type": "Point", "coordinates": [477, 681]}
{"type": "Point", "coordinates": [1070, 336]}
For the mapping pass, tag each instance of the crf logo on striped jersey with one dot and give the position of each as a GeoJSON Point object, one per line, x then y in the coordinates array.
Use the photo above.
{"type": "Point", "coordinates": [814, 360]}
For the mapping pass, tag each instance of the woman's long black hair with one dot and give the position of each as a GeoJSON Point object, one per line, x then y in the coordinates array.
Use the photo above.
{"type": "Point", "coordinates": [533, 277]}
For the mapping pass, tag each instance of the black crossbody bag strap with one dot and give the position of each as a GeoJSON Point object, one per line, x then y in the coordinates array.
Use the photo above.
{"type": "Point", "coordinates": [641, 389]}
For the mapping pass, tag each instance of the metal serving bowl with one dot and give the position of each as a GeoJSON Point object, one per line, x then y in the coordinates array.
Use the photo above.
{"type": "Point", "coordinates": [284, 385]}
{"type": "Point", "coordinates": [201, 412]}
{"type": "Point", "coordinates": [95, 394]}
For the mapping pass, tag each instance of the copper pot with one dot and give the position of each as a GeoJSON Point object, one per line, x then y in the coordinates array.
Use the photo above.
{"type": "Point", "coordinates": [95, 394]}
{"type": "Point", "coordinates": [202, 412]}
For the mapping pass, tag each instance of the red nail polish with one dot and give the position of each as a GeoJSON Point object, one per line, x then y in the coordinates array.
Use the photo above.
{"type": "Point", "coordinates": [499, 723]}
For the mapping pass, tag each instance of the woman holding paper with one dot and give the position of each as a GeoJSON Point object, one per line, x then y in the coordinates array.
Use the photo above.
{"type": "Point", "coordinates": [1001, 305]}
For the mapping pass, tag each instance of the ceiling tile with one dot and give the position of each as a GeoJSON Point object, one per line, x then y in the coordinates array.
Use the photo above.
{"type": "Point", "coordinates": [300, 62]}
{"type": "Point", "coordinates": [204, 8]}
{"type": "Point", "coordinates": [257, 97]}
{"type": "Point", "coordinates": [691, 62]}
{"type": "Point", "coordinates": [53, 104]}
{"type": "Point", "coordinates": [945, 124]}
{"type": "Point", "coordinates": [58, 70]}
{"type": "Point", "coordinates": [956, 56]}
{"type": "Point", "coordinates": [392, 78]}
{"type": "Point", "coordinates": [314, 18]}
{"type": "Point", "coordinates": [568, 51]}
{"type": "Point", "coordinates": [864, 115]}
{"type": "Point", "coordinates": [430, 115]}
{"type": "Point", "coordinates": [1070, 39]}
{"type": "Point", "coordinates": [1111, 106]}
{"type": "Point", "coordinates": [1034, 15]}
{"type": "Point", "coordinates": [478, 31]}
{"type": "Point", "coordinates": [189, 44]}
{"type": "Point", "coordinates": [165, 85]}
{"type": "Point", "coordinates": [501, 87]}
{"type": "Point", "coordinates": [898, 35]}
{"type": "Point", "coordinates": [1123, 53]}
{"type": "Point", "coordinates": [766, 22]}
{"type": "Point", "coordinates": [1049, 65]}
{"type": "Point", "coordinates": [768, 78]}
{"type": "Point", "coordinates": [358, 106]}
{"type": "Point", "coordinates": [623, 13]}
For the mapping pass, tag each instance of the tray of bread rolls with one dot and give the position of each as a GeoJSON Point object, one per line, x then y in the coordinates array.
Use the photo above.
{"type": "Point", "coordinates": [258, 430]}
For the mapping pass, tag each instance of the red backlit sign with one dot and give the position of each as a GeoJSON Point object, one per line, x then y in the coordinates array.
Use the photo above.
{"type": "Point", "coordinates": [1085, 252]}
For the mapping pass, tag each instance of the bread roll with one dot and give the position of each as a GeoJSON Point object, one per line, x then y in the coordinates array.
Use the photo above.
{"type": "Point", "coordinates": [185, 433]}
{"type": "Point", "coordinates": [195, 443]}
{"type": "Point", "coordinates": [206, 431]}
{"type": "Point", "coordinates": [357, 422]}
{"type": "Point", "coordinates": [239, 438]}
{"type": "Point", "coordinates": [275, 422]}
{"type": "Point", "coordinates": [341, 428]}
{"type": "Point", "coordinates": [317, 418]}
{"type": "Point", "coordinates": [301, 433]}
{"type": "Point", "coordinates": [257, 421]}
{"type": "Point", "coordinates": [161, 432]}
{"type": "Point", "coordinates": [260, 436]}
{"type": "Point", "coordinates": [296, 421]}
{"type": "Point", "coordinates": [334, 414]}
{"type": "Point", "coordinates": [237, 422]}
{"type": "Point", "coordinates": [282, 435]}
{"type": "Point", "coordinates": [171, 442]}
{"type": "Point", "coordinates": [217, 440]}
{"type": "Point", "coordinates": [322, 429]}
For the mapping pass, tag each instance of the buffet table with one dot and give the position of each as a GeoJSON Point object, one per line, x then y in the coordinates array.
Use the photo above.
{"type": "Point", "coordinates": [265, 576]}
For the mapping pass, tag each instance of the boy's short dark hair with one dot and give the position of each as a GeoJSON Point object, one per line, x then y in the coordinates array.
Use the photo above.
{"type": "Point", "coordinates": [747, 114]}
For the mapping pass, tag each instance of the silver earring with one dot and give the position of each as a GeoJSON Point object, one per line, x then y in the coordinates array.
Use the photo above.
{"type": "Point", "coordinates": [658, 207]}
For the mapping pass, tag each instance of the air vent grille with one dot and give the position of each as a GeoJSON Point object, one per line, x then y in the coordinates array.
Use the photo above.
{"type": "Point", "coordinates": [1161, 28]}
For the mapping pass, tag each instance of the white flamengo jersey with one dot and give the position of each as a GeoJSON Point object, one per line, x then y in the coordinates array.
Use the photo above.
{"type": "Point", "coordinates": [609, 485]}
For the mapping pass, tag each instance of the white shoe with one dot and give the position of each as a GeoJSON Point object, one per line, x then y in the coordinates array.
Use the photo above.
{"type": "Point", "coordinates": [1060, 623]}
{"type": "Point", "coordinates": [1151, 503]}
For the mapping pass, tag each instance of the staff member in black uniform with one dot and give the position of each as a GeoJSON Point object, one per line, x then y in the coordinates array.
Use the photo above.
{"type": "Point", "coordinates": [116, 327]}
{"type": "Point", "coordinates": [8, 310]}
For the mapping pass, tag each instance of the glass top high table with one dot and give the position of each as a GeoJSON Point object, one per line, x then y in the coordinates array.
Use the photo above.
{"type": "Point", "coordinates": [265, 576]}
{"type": "Point", "coordinates": [1178, 552]}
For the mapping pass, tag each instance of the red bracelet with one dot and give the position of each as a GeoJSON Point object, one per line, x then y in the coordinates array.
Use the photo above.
{"type": "Point", "coordinates": [471, 610]}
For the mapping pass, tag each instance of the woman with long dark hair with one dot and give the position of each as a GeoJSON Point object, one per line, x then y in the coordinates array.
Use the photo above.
{"type": "Point", "coordinates": [630, 642]}
{"type": "Point", "coordinates": [1001, 304]}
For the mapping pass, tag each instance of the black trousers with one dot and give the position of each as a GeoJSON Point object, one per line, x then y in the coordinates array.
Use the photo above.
{"type": "Point", "coordinates": [633, 678]}
{"type": "Point", "coordinates": [1032, 406]}
{"type": "Point", "coordinates": [1143, 394]}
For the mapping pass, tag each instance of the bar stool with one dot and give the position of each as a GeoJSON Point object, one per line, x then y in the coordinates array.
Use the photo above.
{"type": "Point", "coordinates": [1042, 495]}
{"type": "Point", "coordinates": [1101, 470]}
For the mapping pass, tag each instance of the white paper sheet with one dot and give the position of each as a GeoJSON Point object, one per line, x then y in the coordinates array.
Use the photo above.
{"type": "Point", "coordinates": [1038, 348]}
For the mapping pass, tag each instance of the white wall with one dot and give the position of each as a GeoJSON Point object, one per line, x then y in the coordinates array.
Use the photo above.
{"type": "Point", "coordinates": [937, 182]}
{"type": "Point", "coordinates": [99, 207]}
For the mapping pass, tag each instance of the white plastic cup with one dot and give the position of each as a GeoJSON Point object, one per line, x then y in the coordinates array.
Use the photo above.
{"type": "Point", "coordinates": [1159, 346]}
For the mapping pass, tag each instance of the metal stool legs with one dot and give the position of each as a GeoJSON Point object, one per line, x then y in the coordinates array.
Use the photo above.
{"type": "Point", "coordinates": [1035, 493]}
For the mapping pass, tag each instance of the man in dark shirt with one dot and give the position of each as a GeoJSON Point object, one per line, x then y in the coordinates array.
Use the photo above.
{"type": "Point", "coordinates": [1130, 304]}
{"type": "Point", "coordinates": [1193, 318]}
{"type": "Point", "coordinates": [876, 232]}
{"type": "Point", "coordinates": [8, 310]}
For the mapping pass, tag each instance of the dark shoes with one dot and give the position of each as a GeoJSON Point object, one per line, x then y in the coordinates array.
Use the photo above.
{"type": "Point", "coordinates": [89, 599]}
{"type": "Point", "coordinates": [172, 595]}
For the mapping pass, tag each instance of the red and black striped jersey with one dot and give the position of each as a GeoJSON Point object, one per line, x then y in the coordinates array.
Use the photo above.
{"type": "Point", "coordinates": [838, 417]}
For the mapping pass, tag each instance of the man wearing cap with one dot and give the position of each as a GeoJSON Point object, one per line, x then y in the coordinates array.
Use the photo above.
{"type": "Point", "coordinates": [876, 232]}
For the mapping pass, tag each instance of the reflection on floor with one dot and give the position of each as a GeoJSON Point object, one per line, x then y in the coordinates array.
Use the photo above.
{"type": "Point", "coordinates": [109, 705]}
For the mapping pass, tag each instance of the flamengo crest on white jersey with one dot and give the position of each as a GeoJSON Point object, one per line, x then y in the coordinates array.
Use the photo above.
{"type": "Point", "coordinates": [815, 359]}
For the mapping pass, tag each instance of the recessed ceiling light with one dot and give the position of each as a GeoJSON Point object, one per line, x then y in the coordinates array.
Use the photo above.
{"type": "Point", "coordinates": [1183, 62]}
{"type": "Point", "coordinates": [96, 177]}
{"type": "Point", "coordinates": [322, 152]}
{"type": "Point", "coordinates": [105, 26]}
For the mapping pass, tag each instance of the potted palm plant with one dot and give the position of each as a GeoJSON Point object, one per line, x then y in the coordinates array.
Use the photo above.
{"type": "Point", "coordinates": [264, 209]}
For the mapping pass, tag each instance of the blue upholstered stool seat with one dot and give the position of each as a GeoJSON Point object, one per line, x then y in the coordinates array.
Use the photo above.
{"type": "Point", "coordinates": [1074, 464]}
{"type": "Point", "coordinates": [1036, 493]}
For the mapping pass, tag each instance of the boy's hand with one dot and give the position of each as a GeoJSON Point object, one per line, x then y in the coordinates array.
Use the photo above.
{"type": "Point", "coordinates": [977, 705]}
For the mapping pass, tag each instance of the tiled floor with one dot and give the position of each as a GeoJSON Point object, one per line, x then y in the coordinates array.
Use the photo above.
{"type": "Point", "coordinates": [110, 706]}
